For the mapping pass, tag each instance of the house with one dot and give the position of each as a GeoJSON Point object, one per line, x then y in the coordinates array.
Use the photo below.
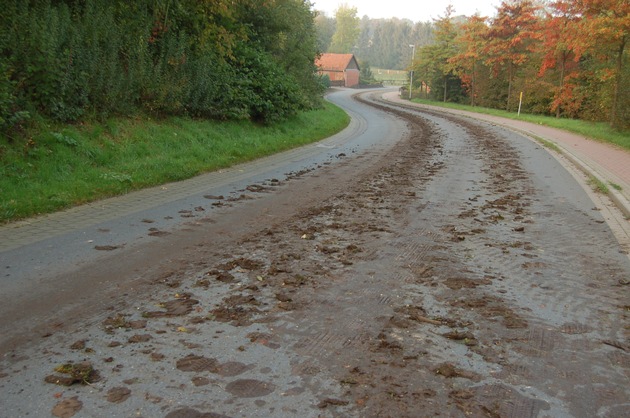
{"type": "Point", "coordinates": [342, 69]}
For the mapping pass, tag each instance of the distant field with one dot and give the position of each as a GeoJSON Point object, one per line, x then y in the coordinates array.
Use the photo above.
{"type": "Point", "coordinates": [391, 76]}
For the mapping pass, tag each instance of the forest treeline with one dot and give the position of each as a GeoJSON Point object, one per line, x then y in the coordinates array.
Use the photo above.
{"type": "Point", "coordinates": [568, 57]}
{"type": "Point", "coordinates": [67, 60]}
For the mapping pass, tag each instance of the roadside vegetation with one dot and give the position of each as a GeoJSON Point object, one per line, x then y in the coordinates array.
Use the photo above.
{"type": "Point", "coordinates": [68, 60]}
{"type": "Point", "coordinates": [569, 58]}
{"type": "Point", "coordinates": [565, 58]}
{"type": "Point", "coordinates": [394, 77]}
{"type": "Point", "coordinates": [65, 165]}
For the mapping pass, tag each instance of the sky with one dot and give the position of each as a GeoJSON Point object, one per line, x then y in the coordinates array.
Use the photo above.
{"type": "Point", "coordinates": [414, 10]}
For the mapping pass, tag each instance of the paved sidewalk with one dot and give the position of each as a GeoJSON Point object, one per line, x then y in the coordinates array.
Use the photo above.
{"type": "Point", "coordinates": [608, 163]}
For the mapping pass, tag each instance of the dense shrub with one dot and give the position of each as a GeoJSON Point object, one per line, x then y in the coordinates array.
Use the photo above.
{"type": "Point", "coordinates": [68, 59]}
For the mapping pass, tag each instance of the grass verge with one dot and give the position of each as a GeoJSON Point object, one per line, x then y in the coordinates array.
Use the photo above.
{"type": "Point", "coordinates": [65, 165]}
{"type": "Point", "coordinates": [615, 186]}
{"type": "Point", "coordinates": [546, 143]}
{"type": "Point", "coordinates": [598, 185]}
{"type": "Point", "coordinates": [596, 130]}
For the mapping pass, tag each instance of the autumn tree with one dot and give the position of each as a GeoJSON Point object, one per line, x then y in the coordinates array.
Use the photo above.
{"type": "Point", "coordinates": [434, 61]}
{"type": "Point", "coordinates": [469, 43]}
{"type": "Point", "coordinates": [606, 27]}
{"type": "Point", "coordinates": [511, 39]}
{"type": "Point", "coordinates": [559, 52]}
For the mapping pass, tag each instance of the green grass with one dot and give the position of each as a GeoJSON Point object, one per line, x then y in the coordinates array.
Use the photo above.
{"type": "Point", "coordinates": [399, 76]}
{"type": "Point", "coordinates": [65, 165]}
{"type": "Point", "coordinates": [595, 130]}
{"type": "Point", "coordinates": [547, 144]}
{"type": "Point", "coordinates": [598, 185]}
{"type": "Point", "coordinates": [615, 186]}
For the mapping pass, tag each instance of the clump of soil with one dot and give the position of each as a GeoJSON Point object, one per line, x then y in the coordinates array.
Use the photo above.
{"type": "Point", "coordinates": [195, 363]}
{"type": "Point", "coordinates": [107, 247]}
{"type": "Point", "coordinates": [237, 315]}
{"type": "Point", "coordinates": [67, 408]}
{"type": "Point", "coordinates": [457, 283]}
{"type": "Point", "coordinates": [120, 321]}
{"type": "Point", "coordinates": [331, 402]}
{"type": "Point", "coordinates": [181, 306]}
{"type": "Point", "coordinates": [466, 337]}
{"type": "Point", "coordinates": [139, 338]}
{"type": "Point", "coordinates": [450, 371]}
{"type": "Point", "coordinates": [250, 388]}
{"type": "Point", "coordinates": [241, 262]}
{"type": "Point", "coordinates": [72, 373]}
{"type": "Point", "coordinates": [118, 394]}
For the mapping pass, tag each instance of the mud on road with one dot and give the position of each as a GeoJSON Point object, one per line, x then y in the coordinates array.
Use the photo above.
{"type": "Point", "coordinates": [452, 276]}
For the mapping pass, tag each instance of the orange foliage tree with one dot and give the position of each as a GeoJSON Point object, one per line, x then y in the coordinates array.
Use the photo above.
{"type": "Point", "coordinates": [470, 44]}
{"type": "Point", "coordinates": [511, 39]}
{"type": "Point", "coordinates": [560, 50]}
{"type": "Point", "coordinates": [606, 26]}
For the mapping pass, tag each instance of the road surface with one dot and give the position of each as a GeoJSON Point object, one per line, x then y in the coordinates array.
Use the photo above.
{"type": "Point", "coordinates": [418, 264]}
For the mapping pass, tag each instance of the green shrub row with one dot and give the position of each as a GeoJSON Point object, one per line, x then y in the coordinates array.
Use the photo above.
{"type": "Point", "coordinates": [68, 60]}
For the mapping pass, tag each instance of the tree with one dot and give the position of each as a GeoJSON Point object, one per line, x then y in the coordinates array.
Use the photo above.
{"type": "Point", "coordinates": [606, 24]}
{"type": "Point", "coordinates": [434, 58]}
{"type": "Point", "coordinates": [223, 59]}
{"type": "Point", "coordinates": [560, 51]}
{"type": "Point", "coordinates": [347, 29]}
{"type": "Point", "coordinates": [286, 30]}
{"type": "Point", "coordinates": [469, 43]}
{"type": "Point", "coordinates": [325, 30]}
{"type": "Point", "coordinates": [510, 40]}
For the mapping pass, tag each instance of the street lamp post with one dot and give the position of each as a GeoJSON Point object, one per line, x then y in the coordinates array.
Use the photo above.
{"type": "Point", "coordinates": [413, 54]}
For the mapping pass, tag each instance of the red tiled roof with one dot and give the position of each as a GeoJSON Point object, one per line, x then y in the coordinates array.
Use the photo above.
{"type": "Point", "coordinates": [334, 62]}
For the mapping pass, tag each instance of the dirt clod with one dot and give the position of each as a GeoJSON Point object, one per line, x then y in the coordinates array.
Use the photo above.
{"type": "Point", "coordinates": [118, 394]}
{"type": "Point", "coordinates": [72, 373]}
{"type": "Point", "coordinates": [67, 408]}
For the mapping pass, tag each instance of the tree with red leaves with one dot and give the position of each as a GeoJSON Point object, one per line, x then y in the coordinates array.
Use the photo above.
{"type": "Point", "coordinates": [511, 39]}
{"type": "Point", "coordinates": [470, 43]}
{"type": "Point", "coordinates": [560, 50]}
{"type": "Point", "coordinates": [606, 26]}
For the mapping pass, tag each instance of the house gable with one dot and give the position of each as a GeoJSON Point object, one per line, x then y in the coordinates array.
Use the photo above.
{"type": "Point", "coordinates": [342, 69]}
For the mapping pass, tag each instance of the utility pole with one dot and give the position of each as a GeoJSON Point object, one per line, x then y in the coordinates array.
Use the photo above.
{"type": "Point", "coordinates": [413, 55]}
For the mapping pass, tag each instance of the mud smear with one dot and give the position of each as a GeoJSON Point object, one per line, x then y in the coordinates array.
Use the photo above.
{"type": "Point", "coordinates": [176, 307]}
{"type": "Point", "coordinates": [67, 408]}
{"type": "Point", "coordinates": [250, 388]}
{"type": "Point", "coordinates": [118, 394]}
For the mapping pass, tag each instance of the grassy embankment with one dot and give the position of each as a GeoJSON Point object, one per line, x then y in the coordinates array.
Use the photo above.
{"type": "Point", "coordinates": [596, 130]}
{"type": "Point", "coordinates": [64, 165]}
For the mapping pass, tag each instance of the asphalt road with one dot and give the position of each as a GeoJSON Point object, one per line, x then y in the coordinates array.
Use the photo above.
{"type": "Point", "coordinates": [45, 258]}
{"type": "Point", "coordinates": [416, 264]}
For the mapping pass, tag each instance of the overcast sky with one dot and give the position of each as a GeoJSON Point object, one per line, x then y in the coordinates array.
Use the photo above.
{"type": "Point", "coordinates": [415, 10]}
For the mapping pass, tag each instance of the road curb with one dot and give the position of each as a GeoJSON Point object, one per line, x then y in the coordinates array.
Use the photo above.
{"type": "Point", "coordinates": [618, 199]}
